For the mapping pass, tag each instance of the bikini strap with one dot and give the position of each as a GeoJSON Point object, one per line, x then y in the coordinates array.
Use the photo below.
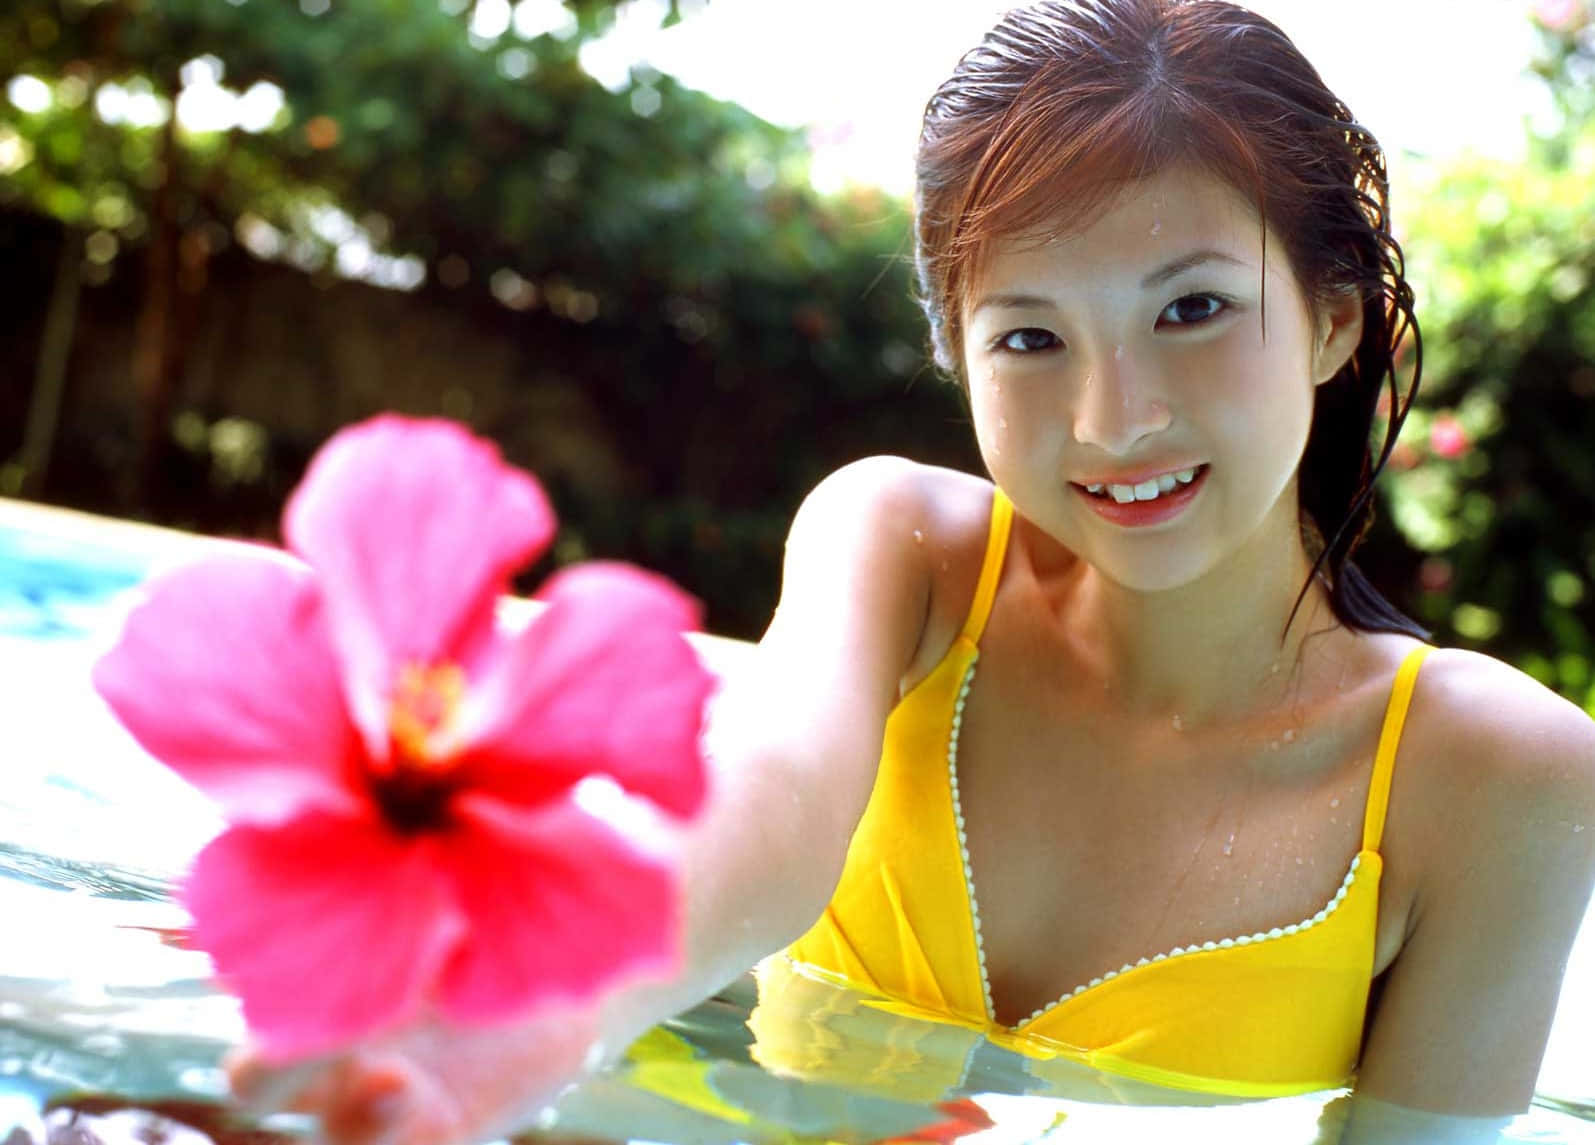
{"type": "Point", "coordinates": [991, 566]}
{"type": "Point", "coordinates": [1384, 760]}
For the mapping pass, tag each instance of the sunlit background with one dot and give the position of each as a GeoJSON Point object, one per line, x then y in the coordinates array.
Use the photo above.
{"type": "Point", "coordinates": [1435, 77]}
{"type": "Point", "coordinates": [1432, 77]}
{"type": "Point", "coordinates": [658, 249]}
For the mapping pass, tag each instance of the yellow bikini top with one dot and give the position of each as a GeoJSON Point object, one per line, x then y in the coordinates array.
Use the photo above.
{"type": "Point", "coordinates": [1251, 1015]}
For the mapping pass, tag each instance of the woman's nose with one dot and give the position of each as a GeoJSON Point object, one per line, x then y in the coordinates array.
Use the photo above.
{"type": "Point", "coordinates": [1116, 406]}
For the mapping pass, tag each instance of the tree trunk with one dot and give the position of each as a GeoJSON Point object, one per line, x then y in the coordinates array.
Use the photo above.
{"type": "Point", "coordinates": [153, 383]}
{"type": "Point", "coordinates": [49, 375]}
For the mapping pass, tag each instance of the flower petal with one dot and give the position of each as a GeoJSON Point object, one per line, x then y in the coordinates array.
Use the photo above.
{"type": "Point", "coordinates": [225, 674]}
{"type": "Point", "coordinates": [415, 528]}
{"type": "Point", "coordinates": [601, 682]}
{"type": "Point", "coordinates": [328, 928]}
{"type": "Point", "coordinates": [560, 906]}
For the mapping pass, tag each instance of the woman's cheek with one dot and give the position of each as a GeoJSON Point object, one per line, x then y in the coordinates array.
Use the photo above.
{"type": "Point", "coordinates": [988, 403]}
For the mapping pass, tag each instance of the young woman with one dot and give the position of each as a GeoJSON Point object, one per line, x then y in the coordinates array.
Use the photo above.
{"type": "Point", "coordinates": [1116, 756]}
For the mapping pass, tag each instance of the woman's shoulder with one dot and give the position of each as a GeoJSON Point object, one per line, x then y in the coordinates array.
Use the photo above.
{"type": "Point", "coordinates": [893, 510]}
{"type": "Point", "coordinates": [1502, 762]}
{"type": "Point", "coordinates": [898, 486]}
{"type": "Point", "coordinates": [921, 526]}
{"type": "Point", "coordinates": [1487, 722]}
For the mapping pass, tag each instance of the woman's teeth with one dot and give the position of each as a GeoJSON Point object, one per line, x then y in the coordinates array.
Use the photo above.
{"type": "Point", "coordinates": [1146, 490]}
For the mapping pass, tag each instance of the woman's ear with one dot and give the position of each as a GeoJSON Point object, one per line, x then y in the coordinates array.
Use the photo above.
{"type": "Point", "coordinates": [1338, 332]}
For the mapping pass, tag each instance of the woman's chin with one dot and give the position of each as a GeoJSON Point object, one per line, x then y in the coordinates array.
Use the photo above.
{"type": "Point", "coordinates": [1151, 573]}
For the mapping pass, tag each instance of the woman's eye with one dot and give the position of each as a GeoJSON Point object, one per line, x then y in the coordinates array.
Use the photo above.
{"type": "Point", "coordinates": [1027, 341]}
{"type": "Point", "coordinates": [1192, 309]}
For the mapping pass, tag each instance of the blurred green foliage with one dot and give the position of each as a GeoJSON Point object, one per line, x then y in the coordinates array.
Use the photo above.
{"type": "Point", "coordinates": [502, 151]}
{"type": "Point", "coordinates": [1494, 480]}
{"type": "Point", "coordinates": [741, 335]}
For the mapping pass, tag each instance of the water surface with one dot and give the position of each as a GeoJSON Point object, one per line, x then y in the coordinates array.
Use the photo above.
{"type": "Point", "coordinates": [110, 1033]}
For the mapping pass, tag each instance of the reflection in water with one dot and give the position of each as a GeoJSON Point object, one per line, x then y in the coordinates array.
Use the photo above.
{"type": "Point", "coordinates": [1364, 1121]}
{"type": "Point", "coordinates": [694, 1080]}
{"type": "Point", "coordinates": [109, 1034]}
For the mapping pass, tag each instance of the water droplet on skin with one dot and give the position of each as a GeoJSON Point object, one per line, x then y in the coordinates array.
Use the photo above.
{"type": "Point", "coordinates": [1290, 734]}
{"type": "Point", "coordinates": [919, 537]}
{"type": "Point", "coordinates": [1334, 819]}
{"type": "Point", "coordinates": [1156, 227]}
{"type": "Point", "coordinates": [1178, 725]}
{"type": "Point", "coordinates": [1274, 670]}
{"type": "Point", "coordinates": [944, 566]}
{"type": "Point", "coordinates": [1229, 847]}
{"type": "Point", "coordinates": [1335, 802]}
{"type": "Point", "coordinates": [1002, 423]}
{"type": "Point", "coordinates": [1298, 860]}
{"type": "Point", "coordinates": [1273, 745]}
{"type": "Point", "coordinates": [1118, 353]}
{"type": "Point", "coordinates": [1577, 827]}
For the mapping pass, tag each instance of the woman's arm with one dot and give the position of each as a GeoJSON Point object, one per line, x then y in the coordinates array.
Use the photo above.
{"type": "Point", "coordinates": [1506, 842]}
{"type": "Point", "coordinates": [795, 735]}
{"type": "Point", "coordinates": [794, 739]}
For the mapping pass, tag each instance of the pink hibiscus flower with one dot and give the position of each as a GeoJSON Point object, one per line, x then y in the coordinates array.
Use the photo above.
{"type": "Point", "coordinates": [397, 765]}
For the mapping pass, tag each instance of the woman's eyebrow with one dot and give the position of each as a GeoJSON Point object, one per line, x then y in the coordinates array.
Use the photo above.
{"type": "Point", "coordinates": [1012, 302]}
{"type": "Point", "coordinates": [1181, 265]}
{"type": "Point", "coordinates": [1159, 276]}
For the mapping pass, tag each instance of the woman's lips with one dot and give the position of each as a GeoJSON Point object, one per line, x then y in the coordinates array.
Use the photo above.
{"type": "Point", "coordinates": [1137, 514]}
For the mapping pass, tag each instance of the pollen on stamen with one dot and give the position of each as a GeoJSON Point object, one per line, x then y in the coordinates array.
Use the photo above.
{"type": "Point", "coordinates": [426, 701]}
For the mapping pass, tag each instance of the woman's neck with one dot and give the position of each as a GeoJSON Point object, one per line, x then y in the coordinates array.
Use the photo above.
{"type": "Point", "coordinates": [1207, 651]}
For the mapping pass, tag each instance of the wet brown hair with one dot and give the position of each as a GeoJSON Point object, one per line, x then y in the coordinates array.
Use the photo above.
{"type": "Point", "coordinates": [1065, 101]}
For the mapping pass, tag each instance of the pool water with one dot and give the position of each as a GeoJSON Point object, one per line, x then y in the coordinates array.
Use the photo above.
{"type": "Point", "coordinates": [109, 1033]}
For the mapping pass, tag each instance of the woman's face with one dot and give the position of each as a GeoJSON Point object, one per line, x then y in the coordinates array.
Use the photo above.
{"type": "Point", "coordinates": [1129, 392]}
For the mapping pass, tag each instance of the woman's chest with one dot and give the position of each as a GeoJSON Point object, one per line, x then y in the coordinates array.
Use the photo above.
{"type": "Point", "coordinates": [1095, 840]}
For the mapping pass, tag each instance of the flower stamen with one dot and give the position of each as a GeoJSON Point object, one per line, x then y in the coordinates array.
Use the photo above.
{"type": "Point", "coordinates": [425, 706]}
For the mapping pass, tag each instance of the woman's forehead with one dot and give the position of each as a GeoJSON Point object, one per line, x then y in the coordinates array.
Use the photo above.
{"type": "Point", "coordinates": [1151, 212]}
{"type": "Point", "coordinates": [1134, 231]}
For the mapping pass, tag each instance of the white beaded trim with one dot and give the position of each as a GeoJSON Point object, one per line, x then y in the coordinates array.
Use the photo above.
{"type": "Point", "coordinates": [974, 910]}
{"type": "Point", "coordinates": [963, 841]}
{"type": "Point", "coordinates": [1223, 943]}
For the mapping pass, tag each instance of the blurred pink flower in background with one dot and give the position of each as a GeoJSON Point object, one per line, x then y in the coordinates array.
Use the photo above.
{"type": "Point", "coordinates": [1558, 15]}
{"type": "Point", "coordinates": [1447, 438]}
{"type": "Point", "coordinates": [1436, 574]}
{"type": "Point", "coordinates": [397, 765]}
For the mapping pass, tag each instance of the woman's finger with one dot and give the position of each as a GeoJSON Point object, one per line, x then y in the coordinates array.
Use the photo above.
{"type": "Point", "coordinates": [368, 1102]}
{"type": "Point", "coordinates": [260, 1086]}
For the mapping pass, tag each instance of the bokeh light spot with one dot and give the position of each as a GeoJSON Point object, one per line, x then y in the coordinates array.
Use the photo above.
{"type": "Point", "coordinates": [29, 94]}
{"type": "Point", "coordinates": [512, 290]}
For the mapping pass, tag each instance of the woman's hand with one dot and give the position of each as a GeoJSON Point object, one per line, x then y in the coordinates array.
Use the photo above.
{"type": "Point", "coordinates": [429, 1084]}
